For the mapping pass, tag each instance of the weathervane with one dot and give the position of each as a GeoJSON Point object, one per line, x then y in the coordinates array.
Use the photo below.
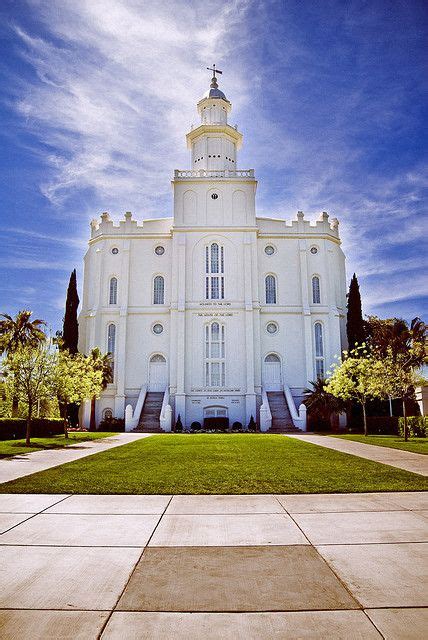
{"type": "Point", "coordinates": [214, 79]}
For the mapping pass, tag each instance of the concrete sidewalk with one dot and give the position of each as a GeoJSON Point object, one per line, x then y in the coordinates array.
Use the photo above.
{"type": "Point", "coordinates": [28, 463]}
{"type": "Point", "coordinates": [211, 566]}
{"type": "Point", "coordinates": [414, 462]}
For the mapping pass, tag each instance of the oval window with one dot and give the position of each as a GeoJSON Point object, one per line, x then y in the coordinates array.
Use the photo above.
{"type": "Point", "coordinates": [157, 328]}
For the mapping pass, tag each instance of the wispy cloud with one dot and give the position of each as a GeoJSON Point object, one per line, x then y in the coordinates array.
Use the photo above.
{"type": "Point", "coordinates": [330, 111]}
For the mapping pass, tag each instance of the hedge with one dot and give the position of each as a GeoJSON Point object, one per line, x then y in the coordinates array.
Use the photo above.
{"type": "Point", "coordinates": [15, 428]}
{"type": "Point", "coordinates": [417, 426]}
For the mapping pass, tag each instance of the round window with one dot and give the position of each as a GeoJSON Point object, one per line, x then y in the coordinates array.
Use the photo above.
{"type": "Point", "coordinates": [115, 250]}
{"type": "Point", "coordinates": [269, 250]}
{"type": "Point", "coordinates": [271, 327]}
{"type": "Point", "coordinates": [159, 251]}
{"type": "Point", "coordinates": [157, 328]}
{"type": "Point", "coordinates": [314, 250]}
{"type": "Point", "coordinates": [214, 196]}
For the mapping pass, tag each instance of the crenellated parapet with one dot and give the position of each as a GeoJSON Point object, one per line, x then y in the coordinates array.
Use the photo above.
{"type": "Point", "coordinates": [105, 226]}
{"type": "Point", "coordinates": [323, 225]}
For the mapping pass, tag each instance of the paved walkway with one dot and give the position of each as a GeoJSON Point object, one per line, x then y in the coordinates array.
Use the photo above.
{"type": "Point", "coordinates": [25, 464]}
{"type": "Point", "coordinates": [190, 567]}
{"type": "Point", "coordinates": [414, 462]}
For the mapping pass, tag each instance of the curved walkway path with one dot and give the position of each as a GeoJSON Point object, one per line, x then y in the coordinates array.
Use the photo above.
{"type": "Point", "coordinates": [414, 462]}
{"type": "Point", "coordinates": [28, 463]}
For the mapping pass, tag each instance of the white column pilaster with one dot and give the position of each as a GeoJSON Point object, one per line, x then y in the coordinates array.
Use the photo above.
{"type": "Point", "coordinates": [250, 395]}
{"type": "Point", "coordinates": [180, 397]}
{"type": "Point", "coordinates": [123, 291]}
{"type": "Point", "coordinates": [307, 320]}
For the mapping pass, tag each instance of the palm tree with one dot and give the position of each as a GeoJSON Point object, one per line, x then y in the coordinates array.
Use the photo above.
{"type": "Point", "coordinates": [101, 363]}
{"type": "Point", "coordinates": [18, 332]}
{"type": "Point", "coordinates": [321, 403]}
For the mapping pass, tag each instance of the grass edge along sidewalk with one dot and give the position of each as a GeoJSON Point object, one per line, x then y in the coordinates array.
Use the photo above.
{"type": "Point", "coordinates": [413, 445]}
{"type": "Point", "coordinates": [10, 448]}
{"type": "Point", "coordinates": [218, 464]}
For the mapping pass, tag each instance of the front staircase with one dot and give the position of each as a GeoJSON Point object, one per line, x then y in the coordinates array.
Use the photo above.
{"type": "Point", "coordinates": [150, 414]}
{"type": "Point", "coordinates": [281, 418]}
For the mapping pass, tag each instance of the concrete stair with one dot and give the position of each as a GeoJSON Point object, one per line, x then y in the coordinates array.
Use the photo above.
{"type": "Point", "coordinates": [150, 414]}
{"type": "Point", "coordinates": [281, 418]}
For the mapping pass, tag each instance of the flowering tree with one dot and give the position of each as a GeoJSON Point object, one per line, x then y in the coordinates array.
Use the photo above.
{"type": "Point", "coordinates": [358, 377]}
{"type": "Point", "coordinates": [75, 380]}
{"type": "Point", "coordinates": [29, 374]}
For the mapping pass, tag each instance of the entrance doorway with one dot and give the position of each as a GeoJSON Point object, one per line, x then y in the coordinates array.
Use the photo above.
{"type": "Point", "coordinates": [158, 375]}
{"type": "Point", "coordinates": [216, 418]}
{"type": "Point", "coordinates": [272, 378]}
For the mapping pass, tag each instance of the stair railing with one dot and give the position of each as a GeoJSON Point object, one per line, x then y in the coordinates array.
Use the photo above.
{"type": "Point", "coordinates": [132, 418]}
{"type": "Point", "coordinates": [265, 413]}
{"type": "Point", "coordinates": [298, 417]}
{"type": "Point", "coordinates": [165, 417]}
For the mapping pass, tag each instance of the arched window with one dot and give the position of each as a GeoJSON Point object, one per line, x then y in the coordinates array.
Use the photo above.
{"type": "Point", "coordinates": [270, 286]}
{"type": "Point", "coordinates": [319, 350]}
{"type": "Point", "coordinates": [214, 272]}
{"type": "Point", "coordinates": [113, 291]}
{"type": "Point", "coordinates": [159, 290]}
{"type": "Point", "coordinates": [214, 355]}
{"type": "Point", "coordinates": [316, 294]}
{"type": "Point", "coordinates": [111, 343]}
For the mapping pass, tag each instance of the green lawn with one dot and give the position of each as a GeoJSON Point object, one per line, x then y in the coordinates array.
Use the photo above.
{"type": "Point", "coordinates": [10, 448]}
{"type": "Point", "coordinates": [416, 445]}
{"type": "Point", "coordinates": [208, 463]}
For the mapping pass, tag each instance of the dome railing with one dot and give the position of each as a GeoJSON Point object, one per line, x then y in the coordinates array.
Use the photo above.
{"type": "Point", "coordinates": [213, 173]}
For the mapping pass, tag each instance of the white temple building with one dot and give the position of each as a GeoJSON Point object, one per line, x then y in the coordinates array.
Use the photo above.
{"type": "Point", "coordinates": [213, 312]}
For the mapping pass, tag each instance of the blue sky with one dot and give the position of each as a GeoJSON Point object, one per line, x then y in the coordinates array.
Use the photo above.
{"type": "Point", "coordinates": [96, 98]}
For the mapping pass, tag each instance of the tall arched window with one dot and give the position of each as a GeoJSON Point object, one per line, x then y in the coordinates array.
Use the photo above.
{"type": "Point", "coordinates": [270, 286]}
{"type": "Point", "coordinates": [214, 272]}
{"type": "Point", "coordinates": [159, 290]}
{"type": "Point", "coordinates": [112, 298]}
{"type": "Point", "coordinates": [319, 350]}
{"type": "Point", "coordinates": [316, 293]}
{"type": "Point", "coordinates": [111, 343]}
{"type": "Point", "coordinates": [214, 355]}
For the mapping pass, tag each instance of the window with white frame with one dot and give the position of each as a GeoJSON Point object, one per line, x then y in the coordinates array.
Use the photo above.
{"type": "Point", "coordinates": [214, 355]}
{"type": "Point", "coordinates": [214, 272]}
{"type": "Point", "coordinates": [316, 293]}
{"type": "Point", "coordinates": [111, 343]}
{"type": "Point", "coordinates": [159, 290]}
{"type": "Point", "coordinates": [112, 296]}
{"type": "Point", "coordinates": [319, 350]}
{"type": "Point", "coordinates": [270, 286]}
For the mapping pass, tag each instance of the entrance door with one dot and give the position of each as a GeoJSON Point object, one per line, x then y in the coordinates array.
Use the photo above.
{"type": "Point", "coordinates": [158, 375]}
{"type": "Point", "coordinates": [216, 418]}
{"type": "Point", "coordinates": [272, 379]}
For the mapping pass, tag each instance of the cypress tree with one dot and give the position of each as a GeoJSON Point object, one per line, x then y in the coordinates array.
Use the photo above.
{"type": "Point", "coordinates": [70, 337]}
{"type": "Point", "coordinates": [70, 333]}
{"type": "Point", "coordinates": [355, 326]}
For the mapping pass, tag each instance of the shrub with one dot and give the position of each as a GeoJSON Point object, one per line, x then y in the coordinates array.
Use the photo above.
{"type": "Point", "coordinates": [417, 426]}
{"type": "Point", "coordinates": [15, 428]}
{"type": "Point", "coordinates": [252, 426]}
{"type": "Point", "coordinates": [178, 424]}
{"type": "Point", "coordinates": [112, 424]}
{"type": "Point", "coordinates": [196, 426]}
{"type": "Point", "coordinates": [237, 426]}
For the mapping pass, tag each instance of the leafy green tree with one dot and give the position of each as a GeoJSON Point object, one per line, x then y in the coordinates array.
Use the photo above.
{"type": "Point", "coordinates": [355, 326]}
{"type": "Point", "coordinates": [100, 362]}
{"type": "Point", "coordinates": [399, 378]}
{"type": "Point", "coordinates": [75, 380]}
{"type": "Point", "coordinates": [19, 332]}
{"type": "Point", "coordinates": [358, 377]}
{"type": "Point", "coordinates": [29, 370]}
{"type": "Point", "coordinates": [321, 403]}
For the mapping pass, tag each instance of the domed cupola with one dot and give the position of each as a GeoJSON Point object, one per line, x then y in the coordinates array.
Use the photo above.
{"type": "Point", "coordinates": [214, 142]}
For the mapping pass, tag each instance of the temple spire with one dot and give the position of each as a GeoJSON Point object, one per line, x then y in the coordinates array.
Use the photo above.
{"type": "Point", "coordinates": [214, 84]}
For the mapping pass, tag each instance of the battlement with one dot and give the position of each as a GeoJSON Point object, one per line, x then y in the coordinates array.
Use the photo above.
{"type": "Point", "coordinates": [128, 226]}
{"type": "Point", "coordinates": [299, 226]}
